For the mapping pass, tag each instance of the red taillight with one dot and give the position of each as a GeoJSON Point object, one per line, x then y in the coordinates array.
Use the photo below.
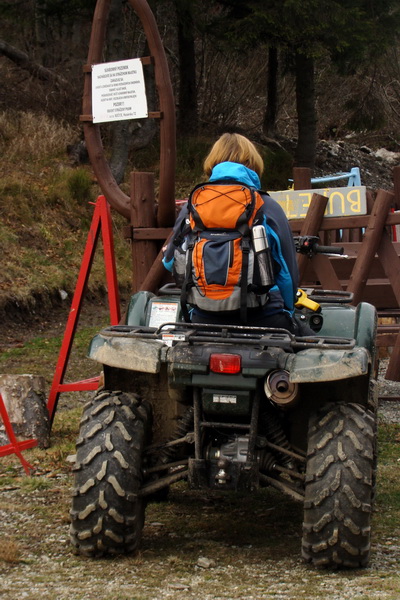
{"type": "Point", "coordinates": [225, 363]}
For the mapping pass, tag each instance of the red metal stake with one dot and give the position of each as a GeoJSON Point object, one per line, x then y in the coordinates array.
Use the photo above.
{"type": "Point", "coordinates": [101, 221]}
{"type": "Point", "coordinates": [14, 447]}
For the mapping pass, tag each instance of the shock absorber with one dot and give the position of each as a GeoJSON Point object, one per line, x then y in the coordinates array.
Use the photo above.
{"type": "Point", "coordinates": [272, 428]}
{"type": "Point", "coordinates": [183, 427]}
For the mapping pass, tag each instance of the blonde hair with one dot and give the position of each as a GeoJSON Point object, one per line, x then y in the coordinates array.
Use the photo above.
{"type": "Point", "coordinates": [233, 147]}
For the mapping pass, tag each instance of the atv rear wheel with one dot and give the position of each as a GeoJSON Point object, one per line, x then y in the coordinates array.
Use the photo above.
{"type": "Point", "coordinates": [339, 487]}
{"type": "Point", "coordinates": [107, 516]}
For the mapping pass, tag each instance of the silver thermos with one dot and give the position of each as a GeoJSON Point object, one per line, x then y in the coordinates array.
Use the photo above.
{"type": "Point", "coordinates": [263, 255]}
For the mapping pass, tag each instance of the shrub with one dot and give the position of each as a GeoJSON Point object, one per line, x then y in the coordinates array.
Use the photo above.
{"type": "Point", "coordinates": [79, 184]}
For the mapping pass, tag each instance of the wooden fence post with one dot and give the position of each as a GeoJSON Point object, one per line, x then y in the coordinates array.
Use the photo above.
{"type": "Point", "coordinates": [301, 178]}
{"type": "Point", "coordinates": [311, 226]}
{"type": "Point", "coordinates": [156, 273]}
{"type": "Point", "coordinates": [396, 180]}
{"type": "Point", "coordinates": [144, 252]}
{"type": "Point", "coordinates": [370, 245]}
{"type": "Point", "coordinates": [393, 369]}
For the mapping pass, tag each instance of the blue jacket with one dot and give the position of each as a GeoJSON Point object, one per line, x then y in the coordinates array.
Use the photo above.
{"type": "Point", "coordinates": [280, 238]}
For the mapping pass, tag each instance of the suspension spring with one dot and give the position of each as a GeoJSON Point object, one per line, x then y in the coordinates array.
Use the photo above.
{"type": "Point", "coordinates": [272, 428]}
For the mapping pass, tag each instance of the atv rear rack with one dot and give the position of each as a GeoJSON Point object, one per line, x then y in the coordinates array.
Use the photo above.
{"type": "Point", "coordinates": [195, 333]}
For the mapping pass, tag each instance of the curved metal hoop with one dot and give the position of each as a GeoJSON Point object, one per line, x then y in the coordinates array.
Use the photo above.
{"type": "Point", "coordinates": [115, 196]}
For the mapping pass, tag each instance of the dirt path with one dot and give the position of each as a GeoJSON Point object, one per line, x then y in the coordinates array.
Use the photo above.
{"type": "Point", "coordinates": [195, 546]}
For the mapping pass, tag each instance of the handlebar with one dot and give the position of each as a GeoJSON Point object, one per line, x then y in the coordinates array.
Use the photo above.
{"type": "Point", "coordinates": [308, 245]}
{"type": "Point", "coordinates": [318, 249]}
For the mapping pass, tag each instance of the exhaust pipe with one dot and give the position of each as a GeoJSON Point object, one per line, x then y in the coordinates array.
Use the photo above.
{"type": "Point", "coordinates": [280, 390]}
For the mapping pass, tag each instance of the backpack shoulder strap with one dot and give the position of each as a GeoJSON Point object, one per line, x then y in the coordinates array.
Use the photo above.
{"type": "Point", "coordinates": [188, 281]}
{"type": "Point", "coordinates": [182, 230]}
{"type": "Point", "coordinates": [243, 222]}
{"type": "Point", "coordinates": [243, 283]}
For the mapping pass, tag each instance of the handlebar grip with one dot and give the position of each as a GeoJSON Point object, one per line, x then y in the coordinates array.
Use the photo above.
{"type": "Point", "coordinates": [328, 249]}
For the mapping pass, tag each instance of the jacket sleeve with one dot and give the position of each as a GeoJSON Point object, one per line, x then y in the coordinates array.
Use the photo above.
{"type": "Point", "coordinates": [283, 250]}
{"type": "Point", "coordinates": [181, 227]}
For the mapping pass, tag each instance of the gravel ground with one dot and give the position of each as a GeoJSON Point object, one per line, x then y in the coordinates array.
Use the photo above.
{"type": "Point", "coordinates": [203, 564]}
{"type": "Point", "coordinates": [389, 410]}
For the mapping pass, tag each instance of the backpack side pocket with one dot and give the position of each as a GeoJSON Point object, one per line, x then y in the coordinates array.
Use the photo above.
{"type": "Point", "coordinates": [179, 266]}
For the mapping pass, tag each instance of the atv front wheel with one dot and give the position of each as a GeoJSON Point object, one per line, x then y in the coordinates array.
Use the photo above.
{"type": "Point", "coordinates": [107, 516]}
{"type": "Point", "coordinates": [339, 487]}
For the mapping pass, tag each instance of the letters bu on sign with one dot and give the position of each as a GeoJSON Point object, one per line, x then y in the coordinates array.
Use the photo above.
{"type": "Point", "coordinates": [343, 201]}
{"type": "Point", "coordinates": [118, 91]}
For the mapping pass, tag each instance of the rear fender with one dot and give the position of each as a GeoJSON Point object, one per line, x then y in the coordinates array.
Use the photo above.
{"type": "Point", "coordinates": [318, 365]}
{"type": "Point", "coordinates": [313, 365]}
{"type": "Point", "coordinates": [357, 322]}
{"type": "Point", "coordinates": [144, 356]}
{"type": "Point", "coordinates": [138, 308]}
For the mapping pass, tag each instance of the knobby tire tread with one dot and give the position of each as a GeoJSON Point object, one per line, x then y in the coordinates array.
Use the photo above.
{"type": "Point", "coordinates": [339, 487]}
{"type": "Point", "coordinates": [107, 516]}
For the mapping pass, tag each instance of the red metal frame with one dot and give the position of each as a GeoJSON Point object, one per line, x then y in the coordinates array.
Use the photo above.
{"type": "Point", "coordinates": [101, 222]}
{"type": "Point", "coordinates": [14, 447]}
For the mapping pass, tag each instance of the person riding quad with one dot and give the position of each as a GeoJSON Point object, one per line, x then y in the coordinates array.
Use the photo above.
{"type": "Point", "coordinates": [234, 159]}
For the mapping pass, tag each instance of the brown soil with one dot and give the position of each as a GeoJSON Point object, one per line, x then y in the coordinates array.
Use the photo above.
{"type": "Point", "coordinates": [50, 319]}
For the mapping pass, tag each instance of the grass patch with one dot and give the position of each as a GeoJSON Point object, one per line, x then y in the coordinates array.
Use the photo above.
{"type": "Point", "coordinates": [10, 551]}
{"type": "Point", "coordinates": [41, 354]}
{"type": "Point", "coordinates": [31, 484]}
{"type": "Point", "coordinates": [80, 185]}
{"type": "Point", "coordinates": [389, 443]}
{"type": "Point", "coordinates": [28, 136]}
{"type": "Point", "coordinates": [387, 511]}
{"type": "Point", "coordinates": [46, 211]}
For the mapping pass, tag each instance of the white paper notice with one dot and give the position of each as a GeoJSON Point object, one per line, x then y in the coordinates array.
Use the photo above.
{"type": "Point", "coordinates": [163, 312]}
{"type": "Point", "coordinates": [118, 91]}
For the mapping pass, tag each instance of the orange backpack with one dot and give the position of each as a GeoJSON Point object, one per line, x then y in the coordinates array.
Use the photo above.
{"type": "Point", "coordinates": [221, 272]}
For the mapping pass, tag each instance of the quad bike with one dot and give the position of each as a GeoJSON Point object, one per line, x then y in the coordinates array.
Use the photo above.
{"type": "Point", "coordinates": [232, 408]}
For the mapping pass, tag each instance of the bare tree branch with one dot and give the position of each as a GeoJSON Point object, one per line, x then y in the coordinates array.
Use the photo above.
{"type": "Point", "coordinates": [22, 60]}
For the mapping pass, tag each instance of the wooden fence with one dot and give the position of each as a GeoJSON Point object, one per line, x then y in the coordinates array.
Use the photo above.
{"type": "Point", "coordinates": [370, 268]}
